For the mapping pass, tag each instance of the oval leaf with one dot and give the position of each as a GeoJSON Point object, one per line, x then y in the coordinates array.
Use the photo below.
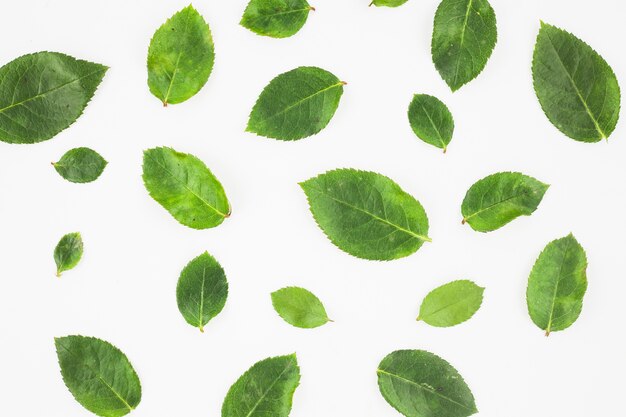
{"type": "Point", "coordinates": [367, 214]}
{"type": "Point", "coordinates": [431, 120]}
{"type": "Point", "coordinates": [577, 89]}
{"type": "Point", "coordinates": [201, 291]}
{"type": "Point", "coordinates": [500, 198]}
{"type": "Point", "coordinates": [68, 252]}
{"type": "Point", "coordinates": [180, 57]}
{"type": "Point", "coordinates": [296, 104]}
{"type": "Point", "coordinates": [388, 3]}
{"type": "Point", "coordinates": [80, 165]}
{"type": "Point", "coordinates": [420, 384]}
{"type": "Point", "coordinates": [98, 375]}
{"type": "Point", "coordinates": [276, 18]}
{"type": "Point", "coordinates": [464, 35]}
{"type": "Point", "coordinates": [299, 307]}
{"type": "Point", "coordinates": [451, 304]}
{"type": "Point", "coordinates": [42, 94]}
{"type": "Point", "coordinates": [185, 187]}
{"type": "Point", "coordinates": [264, 390]}
{"type": "Point", "coordinates": [557, 285]}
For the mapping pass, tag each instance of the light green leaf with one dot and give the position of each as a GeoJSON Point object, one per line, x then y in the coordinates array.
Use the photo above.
{"type": "Point", "coordinates": [276, 18]}
{"type": "Point", "coordinates": [180, 57]}
{"type": "Point", "coordinates": [557, 285]}
{"type": "Point", "coordinates": [201, 291]}
{"type": "Point", "coordinates": [43, 93]}
{"type": "Point", "coordinates": [296, 104]}
{"type": "Point", "coordinates": [420, 384]}
{"type": "Point", "coordinates": [388, 3]}
{"type": "Point", "coordinates": [299, 307]}
{"type": "Point", "coordinates": [98, 375]}
{"type": "Point", "coordinates": [80, 165]}
{"type": "Point", "coordinates": [264, 390]}
{"type": "Point", "coordinates": [68, 252]}
{"type": "Point", "coordinates": [577, 89]}
{"type": "Point", "coordinates": [451, 304]}
{"type": "Point", "coordinates": [431, 120]}
{"type": "Point", "coordinates": [185, 187]}
{"type": "Point", "coordinates": [500, 198]}
{"type": "Point", "coordinates": [464, 35]}
{"type": "Point", "coordinates": [367, 214]}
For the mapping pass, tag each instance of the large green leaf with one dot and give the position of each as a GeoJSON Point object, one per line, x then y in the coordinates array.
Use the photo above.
{"type": "Point", "coordinates": [180, 57]}
{"type": "Point", "coordinates": [264, 390]}
{"type": "Point", "coordinates": [388, 3]}
{"type": "Point", "coordinates": [202, 290]}
{"type": "Point", "coordinates": [299, 307]}
{"type": "Point", "coordinates": [276, 18]}
{"type": "Point", "coordinates": [431, 120]}
{"type": "Point", "coordinates": [420, 384]}
{"type": "Point", "coordinates": [451, 304]}
{"type": "Point", "coordinates": [557, 285]}
{"type": "Point", "coordinates": [98, 375]}
{"type": "Point", "coordinates": [42, 94]}
{"type": "Point", "coordinates": [185, 187]}
{"type": "Point", "coordinates": [367, 214]}
{"type": "Point", "coordinates": [296, 104]}
{"type": "Point", "coordinates": [464, 35]}
{"type": "Point", "coordinates": [500, 198]}
{"type": "Point", "coordinates": [68, 252]}
{"type": "Point", "coordinates": [577, 89]}
{"type": "Point", "coordinates": [80, 165]}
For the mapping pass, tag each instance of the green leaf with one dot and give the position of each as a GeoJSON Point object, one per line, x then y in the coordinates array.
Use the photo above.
{"type": "Point", "coordinates": [388, 3]}
{"type": "Point", "coordinates": [500, 198]}
{"type": "Point", "coordinates": [464, 35]}
{"type": "Point", "coordinates": [80, 165]}
{"type": "Point", "coordinates": [201, 291]}
{"type": "Point", "coordinates": [431, 120]}
{"type": "Point", "coordinates": [577, 89]}
{"type": "Point", "coordinates": [451, 304]}
{"type": "Point", "coordinates": [264, 390]}
{"type": "Point", "coordinates": [43, 93]}
{"type": "Point", "coordinates": [296, 104]}
{"type": "Point", "coordinates": [420, 384]}
{"type": "Point", "coordinates": [299, 307]}
{"type": "Point", "coordinates": [557, 285]}
{"type": "Point", "coordinates": [367, 214]}
{"type": "Point", "coordinates": [185, 187]}
{"type": "Point", "coordinates": [276, 18]}
{"type": "Point", "coordinates": [68, 252]}
{"type": "Point", "coordinates": [180, 57]}
{"type": "Point", "coordinates": [98, 375]}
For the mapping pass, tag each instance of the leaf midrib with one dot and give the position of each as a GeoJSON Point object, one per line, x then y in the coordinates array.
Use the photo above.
{"type": "Point", "coordinates": [489, 207]}
{"type": "Point", "coordinates": [556, 287]}
{"type": "Point", "coordinates": [180, 54]}
{"type": "Point", "coordinates": [432, 123]}
{"type": "Point", "coordinates": [285, 12]}
{"type": "Point", "coordinates": [299, 102]}
{"type": "Point", "coordinates": [465, 21]}
{"type": "Point", "coordinates": [254, 407]}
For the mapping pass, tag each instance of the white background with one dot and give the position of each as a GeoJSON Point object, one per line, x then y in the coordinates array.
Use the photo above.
{"type": "Point", "coordinates": [123, 290]}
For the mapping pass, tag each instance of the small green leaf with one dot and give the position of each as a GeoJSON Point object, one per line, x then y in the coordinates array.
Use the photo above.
{"type": "Point", "coordinates": [299, 307]}
{"type": "Point", "coordinates": [201, 291]}
{"type": "Point", "coordinates": [68, 252]}
{"type": "Point", "coordinates": [431, 120]}
{"type": "Point", "coordinates": [420, 384]}
{"type": "Point", "coordinates": [367, 214]}
{"type": "Point", "coordinates": [500, 198]}
{"type": "Point", "coordinates": [557, 285]}
{"type": "Point", "coordinates": [99, 375]}
{"type": "Point", "coordinates": [464, 35]}
{"type": "Point", "coordinates": [180, 57]}
{"type": "Point", "coordinates": [185, 187]}
{"type": "Point", "coordinates": [43, 93]}
{"type": "Point", "coordinates": [451, 304]}
{"type": "Point", "coordinates": [80, 165]}
{"type": "Point", "coordinates": [577, 89]}
{"type": "Point", "coordinates": [388, 3]}
{"type": "Point", "coordinates": [276, 18]}
{"type": "Point", "coordinates": [264, 390]}
{"type": "Point", "coordinates": [296, 104]}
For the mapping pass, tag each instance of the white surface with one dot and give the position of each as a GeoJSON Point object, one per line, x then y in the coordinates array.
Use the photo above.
{"type": "Point", "coordinates": [124, 289]}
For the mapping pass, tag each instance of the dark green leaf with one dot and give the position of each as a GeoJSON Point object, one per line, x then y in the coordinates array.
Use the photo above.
{"type": "Point", "coordinates": [180, 57]}
{"type": "Point", "coordinates": [68, 252]}
{"type": "Point", "coordinates": [185, 187]}
{"type": "Point", "coordinates": [276, 18]}
{"type": "Point", "coordinates": [296, 104]}
{"type": "Point", "coordinates": [299, 307]}
{"type": "Point", "coordinates": [80, 165]}
{"type": "Point", "coordinates": [431, 120]}
{"type": "Point", "coordinates": [42, 94]}
{"type": "Point", "coordinates": [420, 384]}
{"type": "Point", "coordinates": [577, 89]}
{"type": "Point", "coordinates": [98, 375]}
{"type": "Point", "coordinates": [388, 3]}
{"type": "Point", "coordinates": [451, 304]}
